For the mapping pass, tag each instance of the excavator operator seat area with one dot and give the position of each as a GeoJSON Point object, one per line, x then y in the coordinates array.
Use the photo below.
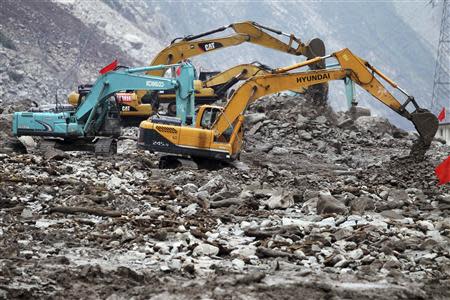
{"type": "Point", "coordinates": [209, 116]}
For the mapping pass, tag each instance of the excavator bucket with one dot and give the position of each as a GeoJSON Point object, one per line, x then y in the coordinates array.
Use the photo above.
{"type": "Point", "coordinates": [316, 47]}
{"type": "Point", "coordinates": [426, 124]}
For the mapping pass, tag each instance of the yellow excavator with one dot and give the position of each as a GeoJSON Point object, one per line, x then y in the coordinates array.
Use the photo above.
{"type": "Point", "coordinates": [136, 107]}
{"type": "Point", "coordinates": [218, 131]}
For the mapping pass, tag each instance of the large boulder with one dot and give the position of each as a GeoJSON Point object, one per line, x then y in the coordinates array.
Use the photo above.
{"type": "Point", "coordinates": [375, 125]}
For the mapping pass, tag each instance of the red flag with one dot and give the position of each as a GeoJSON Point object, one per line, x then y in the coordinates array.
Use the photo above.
{"type": "Point", "coordinates": [442, 114]}
{"type": "Point", "coordinates": [109, 67]}
{"type": "Point", "coordinates": [178, 71]}
{"type": "Point", "coordinates": [443, 171]}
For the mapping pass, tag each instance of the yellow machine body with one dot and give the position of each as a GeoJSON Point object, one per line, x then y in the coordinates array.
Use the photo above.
{"type": "Point", "coordinates": [218, 131]}
{"type": "Point", "coordinates": [190, 46]}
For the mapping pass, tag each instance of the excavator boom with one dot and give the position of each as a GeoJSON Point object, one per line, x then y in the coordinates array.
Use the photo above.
{"type": "Point", "coordinates": [252, 32]}
{"type": "Point", "coordinates": [358, 70]}
{"type": "Point", "coordinates": [248, 31]}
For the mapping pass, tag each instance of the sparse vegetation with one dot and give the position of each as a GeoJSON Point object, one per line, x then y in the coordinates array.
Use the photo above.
{"type": "Point", "coordinates": [7, 42]}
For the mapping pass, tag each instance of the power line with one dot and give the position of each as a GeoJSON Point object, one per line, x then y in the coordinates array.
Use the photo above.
{"type": "Point", "coordinates": [441, 86]}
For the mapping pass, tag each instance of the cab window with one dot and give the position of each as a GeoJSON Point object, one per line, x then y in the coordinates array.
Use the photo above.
{"type": "Point", "coordinates": [208, 118]}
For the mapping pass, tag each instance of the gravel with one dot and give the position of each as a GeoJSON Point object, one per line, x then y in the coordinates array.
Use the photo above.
{"type": "Point", "coordinates": [343, 214]}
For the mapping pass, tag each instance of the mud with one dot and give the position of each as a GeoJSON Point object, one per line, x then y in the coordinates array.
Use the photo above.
{"type": "Point", "coordinates": [319, 207]}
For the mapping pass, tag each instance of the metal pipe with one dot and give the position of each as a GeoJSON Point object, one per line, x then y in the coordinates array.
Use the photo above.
{"type": "Point", "coordinates": [302, 64]}
{"type": "Point", "coordinates": [333, 65]}
{"type": "Point", "coordinates": [403, 91]}
{"type": "Point", "coordinates": [151, 68]}
{"type": "Point", "coordinates": [268, 28]}
{"type": "Point", "coordinates": [387, 79]}
{"type": "Point", "coordinates": [193, 37]}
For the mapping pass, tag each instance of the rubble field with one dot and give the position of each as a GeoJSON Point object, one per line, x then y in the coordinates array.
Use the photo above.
{"type": "Point", "coordinates": [319, 206]}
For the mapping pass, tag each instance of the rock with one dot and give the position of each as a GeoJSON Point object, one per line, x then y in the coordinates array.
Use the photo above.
{"type": "Point", "coordinates": [392, 263]}
{"type": "Point", "coordinates": [309, 194]}
{"type": "Point", "coordinates": [362, 204]}
{"type": "Point", "coordinates": [425, 225]}
{"type": "Point", "coordinates": [445, 198]}
{"type": "Point", "coordinates": [26, 213]}
{"type": "Point", "coordinates": [191, 209]}
{"type": "Point", "coordinates": [342, 263]}
{"type": "Point", "coordinates": [55, 154]}
{"type": "Point", "coordinates": [391, 215]}
{"type": "Point", "coordinates": [357, 111]}
{"type": "Point", "coordinates": [29, 143]}
{"type": "Point", "coordinates": [280, 199]}
{"type": "Point", "coordinates": [320, 120]}
{"type": "Point", "coordinates": [301, 121]}
{"type": "Point", "coordinates": [206, 250]}
{"type": "Point", "coordinates": [119, 231]}
{"type": "Point", "coordinates": [331, 222]}
{"type": "Point", "coordinates": [310, 206]}
{"type": "Point", "coordinates": [356, 254]}
{"type": "Point", "coordinates": [254, 118]}
{"type": "Point", "coordinates": [212, 185]}
{"type": "Point", "coordinates": [397, 195]}
{"type": "Point", "coordinates": [327, 204]}
{"type": "Point", "coordinates": [203, 196]}
{"type": "Point", "coordinates": [346, 123]}
{"type": "Point", "coordinates": [255, 128]}
{"type": "Point", "coordinates": [375, 125]}
{"type": "Point", "coordinates": [114, 182]}
{"type": "Point", "coordinates": [279, 151]}
{"type": "Point", "coordinates": [304, 135]}
{"type": "Point", "coordinates": [238, 264]}
{"type": "Point", "coordinates": [190, 188]}
{"type": "Point", "coordinates": [343, 233]}
{"type": "Point", "coordinates": [245, 251]}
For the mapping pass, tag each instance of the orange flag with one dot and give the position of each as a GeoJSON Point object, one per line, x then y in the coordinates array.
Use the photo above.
{"type": "Point", "coordinates": [109, 67]}
{"type": "Point", "coordinates": [443, 171]}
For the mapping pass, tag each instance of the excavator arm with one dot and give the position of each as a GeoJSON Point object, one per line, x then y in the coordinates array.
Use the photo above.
{"type": "Point", "coordinates": [242, 72]}
{"type": "Point", "coordinates": [349, 66]}
{"type": "Point", "coordinates": [251, 32]}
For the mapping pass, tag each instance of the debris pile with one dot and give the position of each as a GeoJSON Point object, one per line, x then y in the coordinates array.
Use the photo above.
{"type": "Point", "coordinates": [319, 202]}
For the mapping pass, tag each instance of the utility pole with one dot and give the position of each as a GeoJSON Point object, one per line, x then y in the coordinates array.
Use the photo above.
{"type": "Point", "coordinates": [441, 86]}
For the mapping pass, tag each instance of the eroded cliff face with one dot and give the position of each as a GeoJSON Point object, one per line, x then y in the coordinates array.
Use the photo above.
{"type": "Point", "coordinates": [45, 48]}
{"type": "Point", "coordinates": [64, 43]}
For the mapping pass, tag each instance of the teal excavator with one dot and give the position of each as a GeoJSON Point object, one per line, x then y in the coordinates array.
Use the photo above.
{"type": "Point", "coordinates": [96, 121]}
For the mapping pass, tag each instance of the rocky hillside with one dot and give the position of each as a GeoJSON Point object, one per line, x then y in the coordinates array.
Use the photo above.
{"type": "Point", "coordinates": [44, 47]}
{"type": "Point", "coordinates": [64, 42]}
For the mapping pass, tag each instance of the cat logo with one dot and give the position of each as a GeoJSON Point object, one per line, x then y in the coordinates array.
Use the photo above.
{"type": "Point", "coordinates": [210, 46]}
